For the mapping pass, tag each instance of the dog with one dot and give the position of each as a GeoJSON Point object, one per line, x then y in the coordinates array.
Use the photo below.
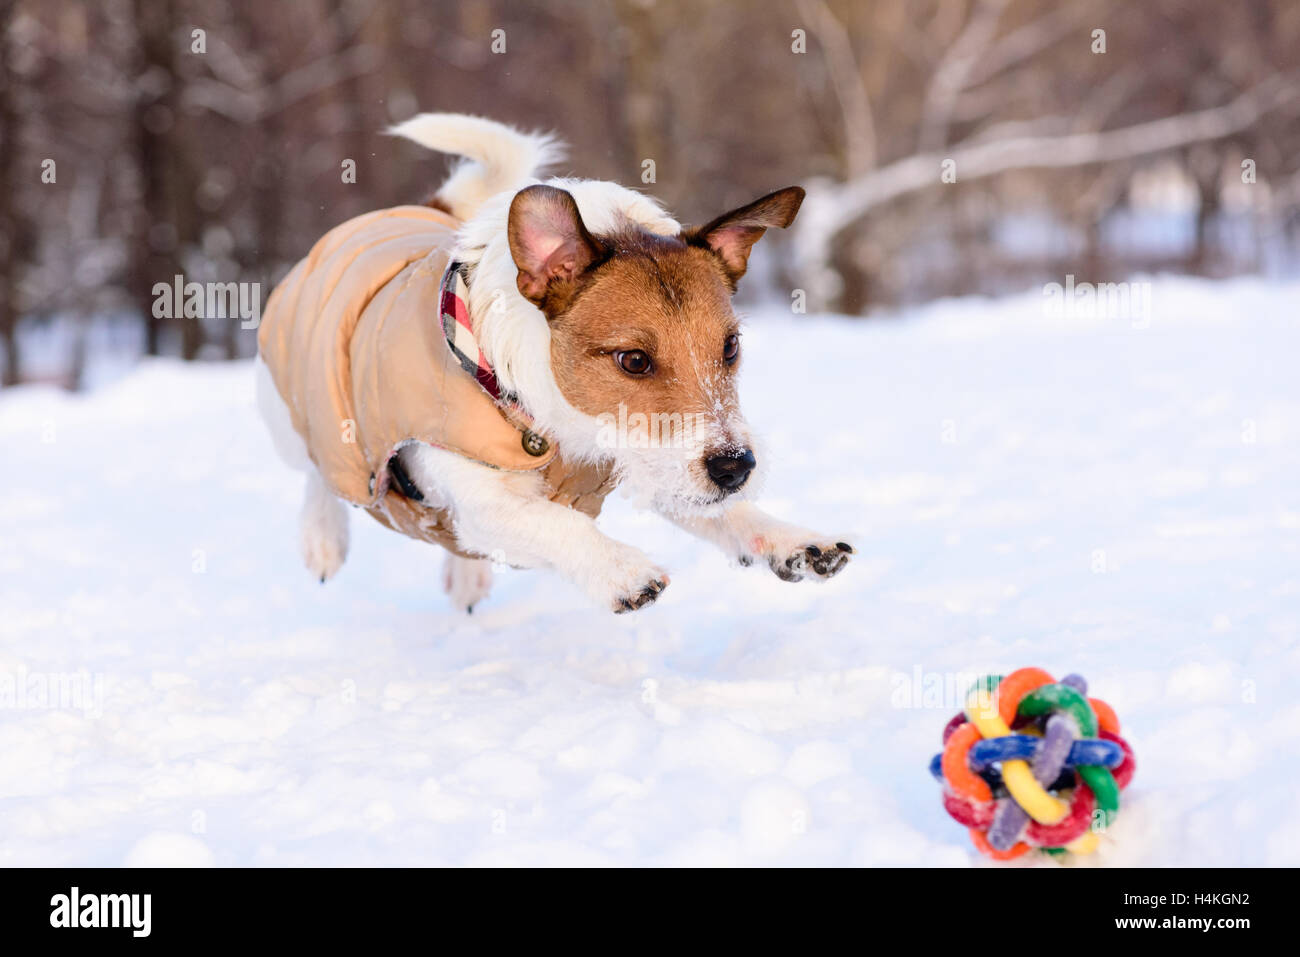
{"type": "Point", "coordinates": [510, 351]}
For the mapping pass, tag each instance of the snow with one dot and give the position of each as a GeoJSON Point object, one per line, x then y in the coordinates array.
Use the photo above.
{"type": "Point", "coordinates": [1113, 497]}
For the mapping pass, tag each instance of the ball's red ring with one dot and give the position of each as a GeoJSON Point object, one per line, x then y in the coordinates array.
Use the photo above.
{"type": "Point", "coordinates": [967, 812]}
{"type": "Point", "coordinates": [1123, 771]}
{"type": "Point", "coordinates": [1072, 826]}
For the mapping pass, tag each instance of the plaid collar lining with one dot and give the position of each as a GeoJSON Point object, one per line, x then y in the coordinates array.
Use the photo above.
{"type": "Point", "coordinates": [456, 327]}
{"type": "Point", "coordinates": [464, 346]}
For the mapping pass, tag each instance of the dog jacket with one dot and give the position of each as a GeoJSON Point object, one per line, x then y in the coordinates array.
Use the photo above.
{"type": "Point", "coordinates": [355, 342]}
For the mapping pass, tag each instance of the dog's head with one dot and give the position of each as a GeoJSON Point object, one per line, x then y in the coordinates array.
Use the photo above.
{"type": "Point", "coordinates": [644, 342]}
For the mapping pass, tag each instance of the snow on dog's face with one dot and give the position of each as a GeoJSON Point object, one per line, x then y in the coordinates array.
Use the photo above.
{"type": "Point", "coordinates": [644, 342]}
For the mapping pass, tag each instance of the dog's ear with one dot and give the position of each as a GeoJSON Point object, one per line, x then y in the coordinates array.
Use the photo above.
{"type": "Point", "coordinates": [550, 245]}
{"type": "Point", "coordinates": [733, 234]}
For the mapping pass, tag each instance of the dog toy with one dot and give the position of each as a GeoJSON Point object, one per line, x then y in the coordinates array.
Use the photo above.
{"type": "Point", "coordinates": [1052, 783]}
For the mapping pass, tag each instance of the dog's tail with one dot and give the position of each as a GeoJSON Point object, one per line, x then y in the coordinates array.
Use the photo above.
{"type": "Point", "coordinates": [496, 157]}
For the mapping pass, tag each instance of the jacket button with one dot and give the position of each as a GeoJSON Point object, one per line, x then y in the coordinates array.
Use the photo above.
{"type": "Point", "coordinates": [534, 444]}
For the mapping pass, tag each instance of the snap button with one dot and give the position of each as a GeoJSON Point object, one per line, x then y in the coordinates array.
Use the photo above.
{"type": "Point", "coordinates": [534, 444]}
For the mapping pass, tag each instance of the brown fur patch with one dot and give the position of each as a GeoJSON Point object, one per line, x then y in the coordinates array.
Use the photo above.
{"type": "Point", "coordinates": [551, 247]}
{"type": "Point", "coordinates": [659, 295]}
{"type": "Point", "coordinates": [733, 234]}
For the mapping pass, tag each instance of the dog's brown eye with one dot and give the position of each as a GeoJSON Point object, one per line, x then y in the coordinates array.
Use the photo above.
{"type": "Point", "coordinates": [731, 348]}
{"type": "Point", "coordinates": [633, 362]}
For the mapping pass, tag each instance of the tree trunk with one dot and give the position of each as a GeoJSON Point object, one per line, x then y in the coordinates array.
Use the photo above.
{"type": "Point", "coordinates": [1203, 255]}
{"type": "Point", "coordinates": [11, 226]}
{"type": "Point", "coordinates": [164, 224]}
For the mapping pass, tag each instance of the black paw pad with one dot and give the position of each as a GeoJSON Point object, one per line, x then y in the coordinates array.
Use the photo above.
{"type": "Point", "coordinates": [642, 598]}
{"type": "Point", "coordinates": [790, 570]}
{"type": "Point", "coordinates": [827, 564]}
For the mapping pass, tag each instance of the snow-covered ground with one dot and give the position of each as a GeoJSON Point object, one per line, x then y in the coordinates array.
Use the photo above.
{"type": "Point", "coordinates": [1110, 497]}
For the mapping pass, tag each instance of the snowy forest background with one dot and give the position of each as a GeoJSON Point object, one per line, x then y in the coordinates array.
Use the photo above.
{"type": "Point", "coordinates": [225, 165]}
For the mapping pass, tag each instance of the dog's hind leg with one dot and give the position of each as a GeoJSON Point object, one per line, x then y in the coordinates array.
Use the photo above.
{"type": "Point", "coordinates": [323, 525]}
{"type": "Point", "coordinates": [323, 528]}
{"type": "Point", "coordinates": [467, 581]}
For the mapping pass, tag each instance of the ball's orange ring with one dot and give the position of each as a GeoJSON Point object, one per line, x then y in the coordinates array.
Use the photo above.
{"type": "Point", "coordinates": [1106, 716]}
{"type": "Point", "coordinates": [956, 772]}
{"type": "Point", "coordinates": [1015, 686]}
{"type": "Point", "coordinates": [982, 843]}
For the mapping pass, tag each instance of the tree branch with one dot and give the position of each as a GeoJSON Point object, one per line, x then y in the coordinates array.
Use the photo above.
{"type": "Point", "coordinates": [954, 70]}
{"type": "Point", "coordinates": [850, 91]}
{"type": "Point", "coordinates": [835, 206]}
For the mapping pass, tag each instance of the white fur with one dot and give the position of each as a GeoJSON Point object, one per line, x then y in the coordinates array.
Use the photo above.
{"type": "Point", "coordinates": [322, 529]}
{"type": "Point", "coordinates": [506, 515]}
{"type": "Point", "coordinates": [748, 534]}
{"type": "Point", "coordinates": [467, 581]}
{"type": "Point", "coordinates": [495, 155]}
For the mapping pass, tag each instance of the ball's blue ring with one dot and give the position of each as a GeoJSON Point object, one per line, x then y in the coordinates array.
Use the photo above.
{"type": "Point", "coordinates": [1024, 747]}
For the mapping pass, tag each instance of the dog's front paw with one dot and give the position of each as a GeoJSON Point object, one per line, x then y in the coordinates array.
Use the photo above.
{"type": "Point", "coordinates": [624, 579]}
{"type": "Point", "coordinates": [645, 595]}
{"type": "Point", "coordinates": [813, 560]}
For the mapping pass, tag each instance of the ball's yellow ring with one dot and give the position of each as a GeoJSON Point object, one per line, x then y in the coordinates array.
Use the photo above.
{"type": "Point", "coordinates": [1085, 843]}
{"type": "Point", "coordinates": [1016, 775]}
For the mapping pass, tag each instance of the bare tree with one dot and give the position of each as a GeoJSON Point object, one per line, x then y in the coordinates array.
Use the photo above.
{"type": "Point", "coordinates": [14, 229]}
{"type": "Point", "coordinates": [1046, 142]}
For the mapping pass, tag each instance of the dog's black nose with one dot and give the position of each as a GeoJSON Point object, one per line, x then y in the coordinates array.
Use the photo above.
{"type": "Point", "coordinates": [729, 472]}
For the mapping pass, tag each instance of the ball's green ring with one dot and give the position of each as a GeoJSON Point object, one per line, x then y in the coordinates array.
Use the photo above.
{"type": "Point", "coordinates": [1104, 788]}
{"type": "Point", "coordinates": [1059, 697]}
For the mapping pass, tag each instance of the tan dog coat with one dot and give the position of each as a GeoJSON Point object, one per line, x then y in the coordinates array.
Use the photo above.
{"type": "Point", "coordinates": [353, 340]}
